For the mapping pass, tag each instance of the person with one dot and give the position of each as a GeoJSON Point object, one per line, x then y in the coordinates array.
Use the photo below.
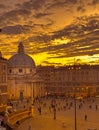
{"type": "Point", "coordinates": [29, 128]}
{"type": "Point", "coordinates": [39, 110]}
{"type": "Point", "coordinates": [54, 113]}
{"type": "Point", "coordinates": [63, 124]}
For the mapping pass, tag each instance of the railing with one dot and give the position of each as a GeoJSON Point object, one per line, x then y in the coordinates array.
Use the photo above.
{"type": "Point", "coordinates": [18, 116]}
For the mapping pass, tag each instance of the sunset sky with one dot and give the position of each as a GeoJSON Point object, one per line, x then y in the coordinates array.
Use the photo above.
{"type": "Point", "coordinates": [54, 32]}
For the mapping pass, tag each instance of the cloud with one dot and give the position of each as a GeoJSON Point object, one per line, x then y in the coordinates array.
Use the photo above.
{"type": "Point", "coordinates": [73, 1]}
{"type": "Point", "coordinates": [4, 44]}
{"type": "Point", "coordinates": [14, 16]}
{"type": "Point", "coordinates": [51, 63]}
{"type": "Point", "coordinates": [81, 9]}
{"type": "Point", "coordinates": [41, 39]}
{"type": "Point", "coordinates": [56, 4]}
{"type": "Point", "coordinates": [94, 62]}
{"type": "Point", "coordinates": [80, 26]}
{"type": "Point", "coordinates": [17, 29]}
{"type": "Point", "coordinates": [12, 30]}
{"type": "Point", "coordinates": [95, 2]}
{"type": "Point", "coordinates": [84, 37]}
{"type": "Point", "coordinates": [60, 4]}
{"type": "Point", "coordinates": [44, 29]}
{"type": "Point", "coordinates": [33, 4]}
{"type": "Point", "coordinates": [40, 15]}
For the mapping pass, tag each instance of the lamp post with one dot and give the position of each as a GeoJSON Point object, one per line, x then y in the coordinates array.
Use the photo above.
{"type": "Point", "coordinates": [75, 110]}
{"type": "Point", "coordinates": [54, 112]}
{"type": "Point", "coordinates": [75, 114]}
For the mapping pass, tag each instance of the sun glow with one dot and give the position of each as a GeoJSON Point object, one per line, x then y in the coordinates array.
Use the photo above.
{"type": "Point", "coordinates": [39, 58]}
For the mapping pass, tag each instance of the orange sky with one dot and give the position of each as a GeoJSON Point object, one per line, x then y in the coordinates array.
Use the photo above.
{"type": "Point", "coordinates": [53, 32]}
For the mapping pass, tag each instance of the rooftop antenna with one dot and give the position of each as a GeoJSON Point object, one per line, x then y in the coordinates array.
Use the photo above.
{"type": "Point", "coordinates": [74, 61]}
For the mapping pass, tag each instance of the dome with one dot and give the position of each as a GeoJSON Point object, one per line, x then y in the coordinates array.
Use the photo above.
{"type": "Point", "coordinates": [21, 59]}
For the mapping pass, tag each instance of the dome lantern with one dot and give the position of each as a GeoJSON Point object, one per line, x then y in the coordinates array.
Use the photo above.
{"type": "Point", "coordinates": [20, 59]}
{"type": "Point", "coordinates": [20, 48]}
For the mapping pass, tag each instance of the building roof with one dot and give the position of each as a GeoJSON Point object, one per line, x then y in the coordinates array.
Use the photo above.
{"type": "Point", "coordinates": [21, 59]}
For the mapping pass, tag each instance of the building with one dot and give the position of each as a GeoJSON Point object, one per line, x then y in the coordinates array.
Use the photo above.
{"type": "Point", "coordinates": [3, 83]}
{"type": "Point", "coordinates": [46, 72]}
{"type": "Point", "coordinates": [75, 80]}
{"type": "Point", "coordinates": [23, 80]}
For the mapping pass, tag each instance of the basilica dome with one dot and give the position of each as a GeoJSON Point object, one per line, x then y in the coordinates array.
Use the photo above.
{"type": "Point", "coordinates": [21, 59]}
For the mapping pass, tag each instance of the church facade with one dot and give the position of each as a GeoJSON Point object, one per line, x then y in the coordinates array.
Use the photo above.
{"type": "Point", "coordinates": [23, 81]}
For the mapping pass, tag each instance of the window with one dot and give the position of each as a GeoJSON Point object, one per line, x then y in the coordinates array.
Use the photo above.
{"type": "Point", "coordinates": [10, 71]}
{"type": "Point", "coordinates": [20, 70]}
{"type": "Point", "coordinates": [3, 67]}
{"type": "Point", "coordinates": [3, 78]}
{"type": "Point", "coordinates": [73, 78]}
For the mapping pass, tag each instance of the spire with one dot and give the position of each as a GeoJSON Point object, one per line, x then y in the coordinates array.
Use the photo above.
{"type": "Point", "coordinates": [0, 54]}
{"type": "Point", "coordinates": [20, 48]}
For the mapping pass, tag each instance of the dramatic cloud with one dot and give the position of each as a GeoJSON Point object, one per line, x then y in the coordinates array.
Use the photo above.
{"type": "Point", "coordinates": [54, 31]}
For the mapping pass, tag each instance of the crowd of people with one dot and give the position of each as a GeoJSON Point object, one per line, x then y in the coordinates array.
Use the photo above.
{"type": "Point", "coordinates": [58, 104]}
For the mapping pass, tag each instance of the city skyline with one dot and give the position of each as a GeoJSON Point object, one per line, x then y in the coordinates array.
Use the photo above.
{"type": "Point", "coordinates": [53, 32]}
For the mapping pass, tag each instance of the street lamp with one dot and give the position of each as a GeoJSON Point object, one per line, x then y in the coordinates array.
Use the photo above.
{"type": "Point", "coordinates": [75, 110]}
{"type": "Point", "coordinates": [54, 112]}
{"type": "Point", "coordinates": [75, 113]}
